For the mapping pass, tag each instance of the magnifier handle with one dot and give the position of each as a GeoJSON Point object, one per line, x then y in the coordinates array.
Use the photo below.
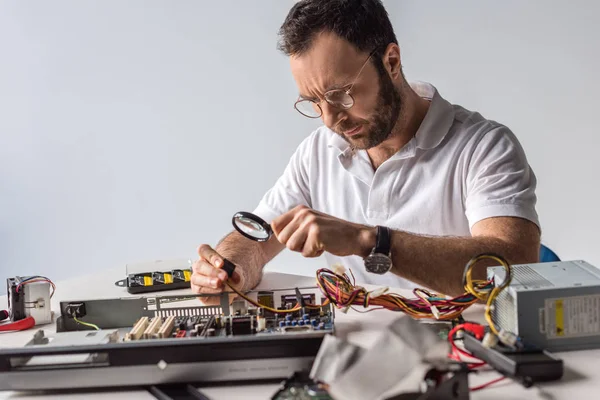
{"type": "Point", "coordinates": [228, 267]}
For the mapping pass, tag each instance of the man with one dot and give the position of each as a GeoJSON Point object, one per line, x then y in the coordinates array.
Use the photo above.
{"type": "Point", "coordinates": [398, 185]}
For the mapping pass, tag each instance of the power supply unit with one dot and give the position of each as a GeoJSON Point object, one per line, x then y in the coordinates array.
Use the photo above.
{"type": "Point", "coordinates": [555, 305]}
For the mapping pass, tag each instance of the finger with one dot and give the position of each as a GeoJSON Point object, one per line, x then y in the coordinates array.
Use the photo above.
{"type": "Point", "coordinates": [313, 247]}
{"type": "Point", "coordinates": [206, 281]}
{"type": "Point", "coordinates": [303, 217]}
{"type": "Point", "coordinates": [209, 254]}
{"type": "Point", "coordinates": [202, 267]}
{"type": "Point", "coordinates": [297, 240]}
{"type": "Point", "coordinates": [287, 232]}
{"type": "Point", "coordinates": [279, 223]}
{"type": "Point", "coordinates": [203, 289]}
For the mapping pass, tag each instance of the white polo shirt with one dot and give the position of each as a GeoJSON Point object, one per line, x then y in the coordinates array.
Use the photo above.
{"type": "Point", "coordinates": [458, 169]}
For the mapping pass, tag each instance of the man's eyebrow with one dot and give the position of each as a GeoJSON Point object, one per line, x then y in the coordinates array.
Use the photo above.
{"type": "Point", "coordinates": [303, 97]}
{"type": "Point", "coordinates": [336, 86]}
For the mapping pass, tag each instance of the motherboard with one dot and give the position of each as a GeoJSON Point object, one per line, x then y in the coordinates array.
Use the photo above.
{"type": "Point", "coordinates": [137, 341]}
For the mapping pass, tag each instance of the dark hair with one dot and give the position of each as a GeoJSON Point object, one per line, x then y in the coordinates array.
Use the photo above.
{"type": "Point", "coordinates": [363, 23]}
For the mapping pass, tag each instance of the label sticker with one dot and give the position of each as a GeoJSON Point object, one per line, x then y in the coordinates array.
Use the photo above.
{"type": "Point", "coordinates": [572, 317]}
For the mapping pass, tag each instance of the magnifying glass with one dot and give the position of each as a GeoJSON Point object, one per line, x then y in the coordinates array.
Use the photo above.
{"type": "Point", "coordinates": [252, 226]}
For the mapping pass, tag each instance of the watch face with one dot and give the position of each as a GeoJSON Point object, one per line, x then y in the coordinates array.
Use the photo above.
{"type": "Point", "coordinates": [378, 263]}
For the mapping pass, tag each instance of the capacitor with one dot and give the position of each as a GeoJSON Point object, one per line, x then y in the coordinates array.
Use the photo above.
{"type": "Point", "coordinates": [314, 322]}
{"type": "Point", "coordinates": [306, 316]}
{"type": "Point", "coordinates": [301, 322]}
{"type": "Point", "coordinates": [288, 323]}
{"type": "Point", "coordinates": [261, 324]}
{"type": "Point", "coordinates": [281, 324]}
{"type": "Point", "coordinates": [294, 323]}
{"type": "Point", "coordinates": [288, 317]}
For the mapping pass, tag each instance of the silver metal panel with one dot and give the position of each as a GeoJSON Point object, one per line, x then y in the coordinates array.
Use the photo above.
{"type": "Point", "coordinates": [523, 307]}
{"type": "Point", "coordinates": [162, 373]}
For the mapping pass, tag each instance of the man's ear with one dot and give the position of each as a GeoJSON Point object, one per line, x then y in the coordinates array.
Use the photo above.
{"type": "Point", "coordinates": [391, 61]}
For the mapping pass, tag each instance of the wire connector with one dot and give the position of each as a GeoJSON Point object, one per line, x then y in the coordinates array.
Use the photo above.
{"type": "Point", "coordinates": [338, 269]}
{"type": "Point", "coordinates": [435, 312]}
{"type": "Point", "coordinates": [474, 329]}
{"type": "Point", "coordinates": [378, 292]}
{"type": "Point", "coordinates": [489, 340]}
{"type": "Point", "coordinates": [507, 338]}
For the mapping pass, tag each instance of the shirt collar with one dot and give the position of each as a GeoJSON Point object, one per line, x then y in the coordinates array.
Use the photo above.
{"type": "Point", "coordinates": [437, 121]}
{"type": "Point", "coordinates": [433, 129]}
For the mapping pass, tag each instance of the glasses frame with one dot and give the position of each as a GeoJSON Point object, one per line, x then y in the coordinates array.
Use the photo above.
{"type": "Point", "coordinates": [325, 95]}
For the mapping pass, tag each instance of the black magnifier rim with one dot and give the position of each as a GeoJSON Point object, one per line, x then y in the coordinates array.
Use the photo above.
{"type": "Point", "coordinates": [254, 218]}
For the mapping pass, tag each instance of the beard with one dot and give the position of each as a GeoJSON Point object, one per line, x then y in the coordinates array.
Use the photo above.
{"type": "Point", "coordinates": [380, 125]}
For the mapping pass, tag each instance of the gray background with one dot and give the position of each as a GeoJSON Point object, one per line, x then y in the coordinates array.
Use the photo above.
{"type": "Point", "coordinates": [132, 131]}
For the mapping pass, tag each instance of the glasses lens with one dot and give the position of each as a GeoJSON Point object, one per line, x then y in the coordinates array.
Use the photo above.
{"type": "Point", "coordinates": [308, 108]}
{"type": "Point", "coordinates": [340, 99]}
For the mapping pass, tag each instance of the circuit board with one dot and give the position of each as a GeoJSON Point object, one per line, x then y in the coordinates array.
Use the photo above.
{"type": "Point", "coordinates": [136, 341]}
{"type": "Point", "coordinates": [159, 317]}
{"type": "Point", "coordinates": [250, 323]}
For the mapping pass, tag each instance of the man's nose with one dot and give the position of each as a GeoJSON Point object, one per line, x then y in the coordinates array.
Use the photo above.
{"type": "Point", "coordinates": [331, 115]}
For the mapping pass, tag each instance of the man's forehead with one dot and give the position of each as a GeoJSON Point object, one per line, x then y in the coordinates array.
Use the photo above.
{"type": "Point", "coordinates": [329, 60]}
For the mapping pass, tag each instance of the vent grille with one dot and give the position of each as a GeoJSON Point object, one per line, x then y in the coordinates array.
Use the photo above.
{"type": "Point", "coordinates": [203, 311]}
{"type": "Point", "coordinates": [504, 312]}
{"type": "Point", "coordinates": [528, 277]}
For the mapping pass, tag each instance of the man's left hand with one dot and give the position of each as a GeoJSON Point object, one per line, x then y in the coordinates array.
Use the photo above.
{"type": "Point", "coordinates": [311, 233]}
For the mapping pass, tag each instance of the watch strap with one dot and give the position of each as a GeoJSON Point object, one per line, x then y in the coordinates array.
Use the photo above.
{"type": "Point", "coordinates": [383, 240]}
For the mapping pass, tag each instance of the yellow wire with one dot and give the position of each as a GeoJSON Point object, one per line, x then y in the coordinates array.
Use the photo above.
{"type": "Point", "coordinates": [86, 324]}
{"type": "Point", "coordinates": [488, 298]}
{"type": "Point", "coordinates": [274, 310]}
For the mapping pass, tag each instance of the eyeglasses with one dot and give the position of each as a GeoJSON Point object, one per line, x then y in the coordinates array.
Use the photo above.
{"type": "Point", "coordinates": [339, 98]}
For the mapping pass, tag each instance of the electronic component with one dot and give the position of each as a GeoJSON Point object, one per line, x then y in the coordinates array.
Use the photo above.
{"type": "Point", "coordinates": [166, 328]}
{"type": "Point", "coordinates": [300, 386]}
{"type": "Point", "coordinates": [30, 297]}
{"type": "Point", "coordinates": [181, 275]}
{"type": "Point", "coordinates": [138, 329]}
{"type": "Point", "coordinates": [153, 328]}
{"type": "Point", "coordinates": [554, 306]}
{"type": "Point", "coordinates": [157, 276]}
{"type": "Point", "coordinates": [266, 299]}
{"type": "Point", "coordinates": [242, 325]}
{"type": "Point", "coordinates": [526, 363]}
{"type": "Point", "coordinates": [162, 278]}
{"type": "Point", "coordinates": [76, 310]}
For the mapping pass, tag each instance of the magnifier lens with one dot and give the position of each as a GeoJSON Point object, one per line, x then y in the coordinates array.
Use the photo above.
{"type": "Point", "coordinates": [251, 226]}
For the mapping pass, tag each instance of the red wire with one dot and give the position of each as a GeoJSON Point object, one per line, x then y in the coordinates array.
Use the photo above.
{"type": "Point", "coordinates": [456, 349]}
{"type": "Point", "coordinates": [483, 386]}
{"type": "Point", "coordinates": [19, 325]}
{"type": "Point", "coordinates": [456, 352]}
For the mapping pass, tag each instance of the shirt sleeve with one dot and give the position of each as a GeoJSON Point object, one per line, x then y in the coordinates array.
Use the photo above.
{"type": "Point", "coordinates": [500, 182]}
{"type": "Point", "coordinates": [292, 187]}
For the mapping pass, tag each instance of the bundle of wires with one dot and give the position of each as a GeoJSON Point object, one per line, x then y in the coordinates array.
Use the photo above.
{"type": "Point", "coordinates": [36, 278]}
{"type": "Point", "coordinates": [341, 290]}
{"type": "Point", "coordinates": [296, 308]}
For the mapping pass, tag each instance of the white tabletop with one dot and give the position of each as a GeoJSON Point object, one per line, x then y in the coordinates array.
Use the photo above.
{"type": "Point", "coordinates": [582, 368]}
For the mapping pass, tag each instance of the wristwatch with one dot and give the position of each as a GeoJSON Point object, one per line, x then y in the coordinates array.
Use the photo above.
{"type": "Point", "coordinates": [380, 260]}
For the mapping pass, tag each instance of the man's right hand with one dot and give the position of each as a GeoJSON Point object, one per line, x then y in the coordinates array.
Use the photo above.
{"type": "Point", "coordinates": [208, 277]}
